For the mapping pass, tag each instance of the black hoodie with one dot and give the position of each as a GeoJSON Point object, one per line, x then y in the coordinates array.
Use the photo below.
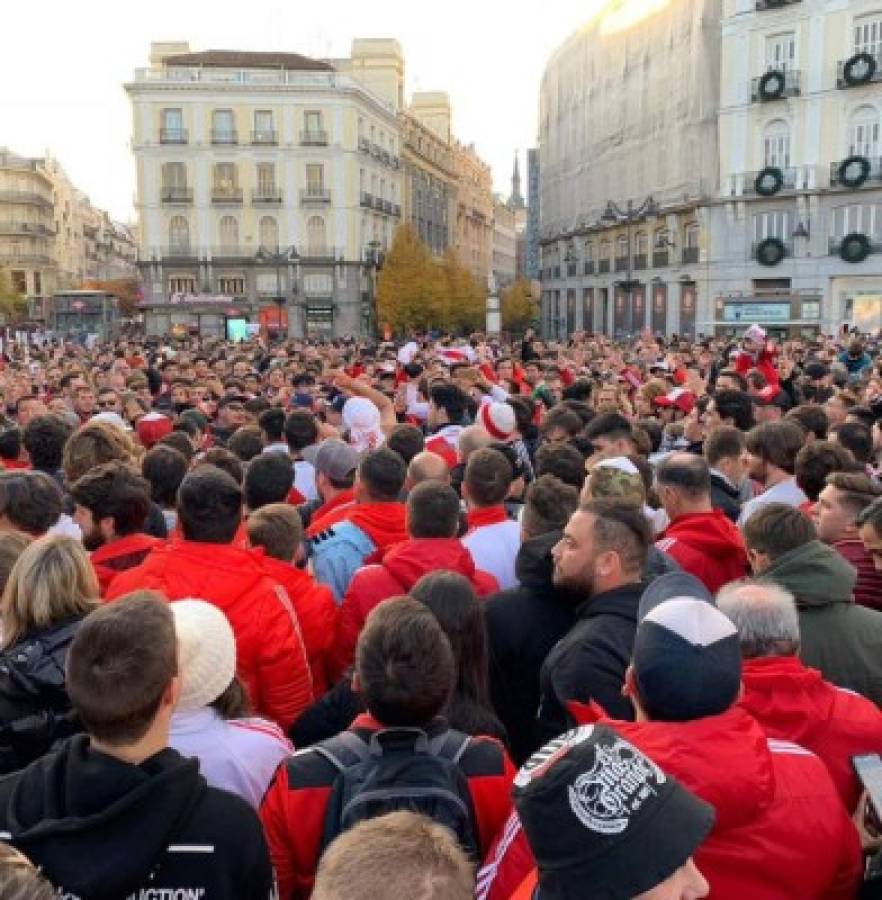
{"type": "Point", "coordinates": [101, 829]}
{"type": "Point", "coordinates": [523, 624]}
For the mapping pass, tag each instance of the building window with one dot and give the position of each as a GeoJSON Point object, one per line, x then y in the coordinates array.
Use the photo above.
{"type": "Point", "coordinates": [864, 218]}
{"type": "Point", "coordinates": [692, 232]}
{"type": "Point", "coordinates": [312, 122]}
{"type": "Point", "coordinates": [19, 281]}
{"type": "Point", "coordinates": [605, 248]}
{"type": "Point", "coordinates": [641, 243]}
{"type": "Point", "coordinates": [864, 132]}
{"type": "Point", "coordinates": [776, 144]}
{"type": "Point", "coordinates": [771, 225]}
{"type": "Point", "coordinates": [182, 285]}
{"type": "Point", "coordinates": [231, 286]}
{"type": "Point", "coordinates": [172, 126]}
{"type": "Point", "coordinates": [179, 234]}
{"type": "Point", "coordinates": [868, 34]}
{"type": "Point", "coordinates": [622, 246]}
{"type": "Point", "coordinates": [661, 239]}
{"type": "Point", "coordinates": [315, 179]}
{"type": "Point", "coordinates": [174, 175]}
{"type": "Point", "coordinates": [226, 178]}
{"type": "Point", "coordinates": [269, 233]}
{"type": "Point", "coordinates": [229, 232]}
{"type": "Point", "coordinates": [263, 127]}
{"type": "Point", "coordinates": [38, 283]}
{"type": "Point", "coordinates": [223, 127]}
{"type": "Point", "coordinates": [781, 51]}
{"type": "Point", "coordinates": [266, 179]}
{"type": "Point", "coordinates": [315, 236]}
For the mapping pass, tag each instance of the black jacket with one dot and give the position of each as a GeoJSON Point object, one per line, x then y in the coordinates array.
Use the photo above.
{"type": "Point", "coordinates": [101, 829]}
{"type": "Point", "coordinates": [724, 497]}
{"type": "Point", "coordinates": [523, 624]}
{"type": "Point", "coordinates": [35, 712]}
{"type": "Point", "coordinates": [589, 662]}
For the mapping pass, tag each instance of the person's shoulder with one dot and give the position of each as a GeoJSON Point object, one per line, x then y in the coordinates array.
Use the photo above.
{"type": "Point", "coordinates": [800, 774]}
{"type": "Point", "coordinates": [483, 757]}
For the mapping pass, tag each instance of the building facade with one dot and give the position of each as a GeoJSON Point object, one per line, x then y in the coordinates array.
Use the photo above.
{"type": "Point", "coordinates": [474, 211]}
{"type": "Point", "coordinates": [505, 247]}
{"type": "Point", "coordinates": [531, 249]}
{"type": "Point", "coordinates": [756, 133]}
{"type": "Point", "coordinates": [267, 183]}
{"type": "Point", "coordinates": [27, 233]}
{"type": "Point", "coordinates": [430, 182]}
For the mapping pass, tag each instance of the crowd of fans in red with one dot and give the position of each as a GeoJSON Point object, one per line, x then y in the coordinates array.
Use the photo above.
{"type": "Point", "coordinates": [285, 621]}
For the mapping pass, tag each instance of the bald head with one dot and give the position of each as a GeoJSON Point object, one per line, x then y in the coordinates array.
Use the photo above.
{"type": "Point", "coordinates": [684, 485]}
{"type": "Point", "coordinates": [764, 614]}
{"type": "Point", "coordinates": [470, 439]}
{"type": "Point", "coordinates": [427, 466]}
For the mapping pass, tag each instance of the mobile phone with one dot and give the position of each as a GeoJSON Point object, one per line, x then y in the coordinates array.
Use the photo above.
{"type": "Point", "coordinates": [868, 768]}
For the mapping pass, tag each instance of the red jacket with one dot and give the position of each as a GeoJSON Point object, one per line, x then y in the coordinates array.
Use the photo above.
{"type": "Point", "coordinates": [707, 545]}
{"type": "Point", "coordinates": [331, 512]}
{"type": "Point", "coordinates": [764, 362]}
{"type": "Point", "coordinates": [781, 830]}
{"type": "Point", "coordinates": [271, 659]}
{"type": "Point", "coordinates": [316, 613]}
{"type": "Point", "coordinates": [117, 556]}
{"type": "Point", "coordinates": [293, 811]}
{"type": "Point", "coordinates": [794, 703]}
{"type": "Point", "coordinates": [395, 573]}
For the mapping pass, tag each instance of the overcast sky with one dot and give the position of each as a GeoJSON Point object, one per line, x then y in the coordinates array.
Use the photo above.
{"type": "Point", "coordinates": [63, 66]}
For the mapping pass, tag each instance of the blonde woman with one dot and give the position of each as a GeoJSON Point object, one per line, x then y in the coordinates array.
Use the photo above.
{"type": "Point", "coordinates": [51, 588]}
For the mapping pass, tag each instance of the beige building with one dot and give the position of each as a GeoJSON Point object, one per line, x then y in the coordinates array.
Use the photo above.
{"type": "Point", "coordinates": [505, 244]}
{"type": "Point", "coordinates": [264, 176]}
{"type": "Point", "coordinates": [474, 211]}
{"type": "Point", "coordinates": [26, 224]}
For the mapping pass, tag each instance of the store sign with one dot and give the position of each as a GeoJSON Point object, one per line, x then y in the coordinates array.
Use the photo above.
{"type": "Point", "coordinates": [756, 312]}
{"type": "Point", "coordinates": [201, 298]}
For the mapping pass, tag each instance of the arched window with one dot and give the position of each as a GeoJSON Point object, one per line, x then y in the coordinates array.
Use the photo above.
{"type": "Point", "coordinates": [641, 243]}
{"type": "Point", "coordinates": [315, 236]}
{"type": "Point", "coordinates": [589, 251]}
{"type": "Point", "coordinates": [269, 233]}
{"type": "Point", "coordinates": [776, 144]}
{"type": "Point", "coordinates": [178, 234]}
{"type": "Point", "coordinates": [661, 239]}
{"type": "Point", "coordinates": [622, 246]}
{"type": "Point", "coordinates": [692, 232]}
{"type": "Point", "coordinates": [229, 232]}
{"type": "Point", "coordinates": [605, 248]}
{"type": "Point", "coordinates": [863, 132]}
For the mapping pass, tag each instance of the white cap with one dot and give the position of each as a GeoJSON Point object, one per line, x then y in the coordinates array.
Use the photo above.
{"type": "Point", "coordinates": [206, 652]}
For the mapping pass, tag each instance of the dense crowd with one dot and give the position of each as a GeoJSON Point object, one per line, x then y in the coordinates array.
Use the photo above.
{"type": "Point", "coordinates": [442, 619]}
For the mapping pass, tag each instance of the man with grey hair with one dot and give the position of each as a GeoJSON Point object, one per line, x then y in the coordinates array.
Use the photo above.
{"type": "Point", "coordinates": [426, 466]}
{"type": "Point", "coordinates": [791, 701]}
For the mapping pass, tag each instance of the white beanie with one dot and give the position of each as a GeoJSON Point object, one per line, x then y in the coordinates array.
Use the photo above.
{"type": "Point", "coordinates": [206, 652]}
{"type": "Point", "coordinates": [755, 333]}
{"type": "Point", "coordinates": [498, 420]}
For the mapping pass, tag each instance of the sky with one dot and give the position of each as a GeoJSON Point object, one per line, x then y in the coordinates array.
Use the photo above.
{"type": "Point", "coordinates": [64, 64]}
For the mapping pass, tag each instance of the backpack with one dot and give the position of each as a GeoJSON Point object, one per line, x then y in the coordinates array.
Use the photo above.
{"type": "Point", "coordinates": [399, 768]}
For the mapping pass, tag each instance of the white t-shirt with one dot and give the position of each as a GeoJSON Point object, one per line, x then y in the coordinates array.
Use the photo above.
{"type": "Point", "coordinates": [304, 479]}
{"type": "Point", "coordinates": [494, 549]}
{"type": "Point", "coordinates": [787, 492]}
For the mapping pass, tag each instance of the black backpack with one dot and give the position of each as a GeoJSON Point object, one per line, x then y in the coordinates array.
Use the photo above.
{"type": "Point", "coordinates": [399, 768]}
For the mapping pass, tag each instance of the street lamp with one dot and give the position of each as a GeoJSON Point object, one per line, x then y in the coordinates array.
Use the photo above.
{"type": "Point", "coordinates": [615, 215]}
{"type": "Point", "coordinates": [374, 261]}
{"type": "Point", "coordinates": [279, 259]}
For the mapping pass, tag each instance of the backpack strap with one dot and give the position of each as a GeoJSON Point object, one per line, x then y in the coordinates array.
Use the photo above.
{"type": "Point", "coordinates": [344, 750]}
{"type": "Point", "coordinates": [450, 745]}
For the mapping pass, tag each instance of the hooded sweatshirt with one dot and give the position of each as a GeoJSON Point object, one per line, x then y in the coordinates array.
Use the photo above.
{"type": "Point", "coordinates": [841, 639]}
{"type": "Point", "coordinates": [708, 546]}
{"type": "Point", "coordinates": [102, 829]}
{"type": "Point", "coordinates": [794, 703]}
{"type": "Point", "coordinates": [394, 574]}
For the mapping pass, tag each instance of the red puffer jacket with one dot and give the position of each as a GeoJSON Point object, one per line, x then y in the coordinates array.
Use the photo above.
{"type": "Point", "coordinates": [794, 703]}
{"type": "Point", "coordinates": [395, 573]}
{"type": "Point", "coordinates": [316, 613]}
{"type": "Point", "coordinates": [764, 361]}
{"type": "Point", "coordinates": [781, 830]}
{"type": "Point", "coordinates": [707, 545]}
{"type": "Point", "coordinates": [293, 811]}
{"type": "Point", "coordinates": [119, 555]}
{"type": "Point", "coordinates": [271, 659]}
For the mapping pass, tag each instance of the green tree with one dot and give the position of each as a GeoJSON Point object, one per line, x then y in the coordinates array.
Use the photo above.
{"type": "Point", "coordinates": [410, 289]}
{"type": "Point", "coordinates": [12, 302]}
{"type": "Point", "coordinates": [519, 307]}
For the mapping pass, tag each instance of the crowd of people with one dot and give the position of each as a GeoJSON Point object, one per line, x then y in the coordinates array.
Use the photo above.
{"type": "Point", "coordinates": [442, 618]}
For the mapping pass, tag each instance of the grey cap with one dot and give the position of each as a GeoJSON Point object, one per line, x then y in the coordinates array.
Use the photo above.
{"type": "Point", "coordinates": [670, 586]}
{"type": "Point", "coordinates": [336, 459]}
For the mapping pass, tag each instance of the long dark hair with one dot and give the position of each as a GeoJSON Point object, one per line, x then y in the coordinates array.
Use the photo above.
{"type": "Point", "coordinates": [453, 601]}
{"type": "Point", "coordinates": [234, 702]}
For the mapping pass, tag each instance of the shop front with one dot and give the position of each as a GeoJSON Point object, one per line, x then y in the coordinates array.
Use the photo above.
{"type": "Point", "coordinates": [207, 315]}
{"type": "Point", "coordinates": [784, 316]}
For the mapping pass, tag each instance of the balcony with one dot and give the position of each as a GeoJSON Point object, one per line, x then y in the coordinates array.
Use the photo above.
{"type": "Point", "coordinates": [588, 268]}
{"type": "Point", "coordinates": [35, 229]}
{"type": "Point", "coordinates": [315, 137]}
{"type": "Point", "coordinates": [264, 138]}
{"type": "Point", "coordinates": [314, 195]}
{"type": "Point", "coordinates": [660, 259]}
{"type": "Point", "coordinates": [25, 259]}
{"type": "Point", "coordinates": [174, 194]}
{"type": "Point", "coordinates": [379, 204]}
{"type": "Point", "coordinates": [858, 70]}
{"type": "Point", "coordinates": [367, 200]}
{"type": "Point", "coordinates": [173, 136]}
{"type": "Point", "coordinates": [763, 5]}
{"type": "Point", "coordinates": [26, 198]}
{"type": "Point", "coordinates": [602, 266]}
{"type": "Point", "coordinates": [621, 264]}
{"type": "Point", "coordinates": [640, 261]}
{"type": "Point", "coordinates": [761, 252]}
{"type": "Point", "coordinates": [266, 196]}
{"type": "Point", "coordinates": [224, 136]}
{"type": "Point", "coordinates": [770, 181]}
{"type": "Point", "coordinates": [856, 172]}
{"type": "Point", "coordinates": [323, 255]}
{"type": "Point", "coordinates": [690, 255]}
{"type": "Point", "coordinates": [174, 252]}
{"type": "Point", "coordinates": [364, 145]}
{"type": "Point", "coordinates": [226, 195]}
{"type": "Point", "coordinates": [776, 84]}
{"type": "Point", "coordinates": [396, 210]}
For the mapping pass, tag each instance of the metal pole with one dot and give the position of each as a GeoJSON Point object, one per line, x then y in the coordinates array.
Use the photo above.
{"type": "Point", "coordinates": [279, 298]}
{"type": "Point", "coordinates": [630, 283]}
